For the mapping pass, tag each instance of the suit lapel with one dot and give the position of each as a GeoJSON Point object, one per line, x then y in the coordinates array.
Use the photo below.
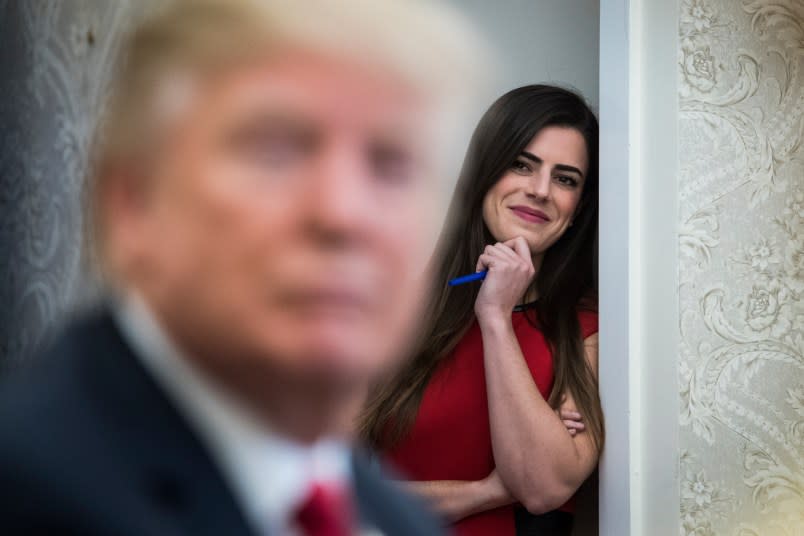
{"type": "Point", "coordinates": [383, 508]}
{"type": "Point", "coordinates": [162, 462]}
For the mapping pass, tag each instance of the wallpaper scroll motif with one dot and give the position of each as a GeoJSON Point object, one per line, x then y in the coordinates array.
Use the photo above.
{"type": "Point", "coordinates": [741, 273]}
{"type": "Point", "coordinates": [51, 93]}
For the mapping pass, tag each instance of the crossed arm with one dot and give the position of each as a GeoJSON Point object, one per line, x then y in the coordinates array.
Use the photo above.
{"type": "Point", "coordinates": [541, 474]}
{"type": "Point", "coordinates": [541, 465]}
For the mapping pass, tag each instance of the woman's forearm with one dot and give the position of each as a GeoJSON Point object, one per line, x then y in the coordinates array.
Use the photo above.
{"type": "Point", "coordinates": [457, 499]}
{"type": "Point", "coordinates": [539, 461]}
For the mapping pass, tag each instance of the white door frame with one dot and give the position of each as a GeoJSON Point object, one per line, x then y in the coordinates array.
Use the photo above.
{"type": "Point", "coordinates": [639, 491]}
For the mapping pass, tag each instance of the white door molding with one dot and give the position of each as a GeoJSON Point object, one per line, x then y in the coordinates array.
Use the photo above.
{"type": "Point", "coordinates": [639, 492]}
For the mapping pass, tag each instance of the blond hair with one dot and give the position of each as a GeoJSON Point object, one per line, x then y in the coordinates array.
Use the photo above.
{"type": "Point", "coordinates": [424, 43]}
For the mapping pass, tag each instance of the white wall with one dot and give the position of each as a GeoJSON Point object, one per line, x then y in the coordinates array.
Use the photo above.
{"type": "Point", "coordinates": [541, 41]}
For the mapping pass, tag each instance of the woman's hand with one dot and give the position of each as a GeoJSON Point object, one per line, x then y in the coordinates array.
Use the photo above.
{"type": "Point", "coordinates": [572, 420]}
{"type": "Point", "coordinates": [457, 499]}
{"type": "Point", "coordinates": [570, 416]}
{"type": "Point", "coordinates": [510, 272]}
{"type": "Point", "coordinates": [495, 492]}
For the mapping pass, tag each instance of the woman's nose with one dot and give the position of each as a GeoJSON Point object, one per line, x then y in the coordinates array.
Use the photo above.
{"type": "Point", "coordinates": [539, 186]}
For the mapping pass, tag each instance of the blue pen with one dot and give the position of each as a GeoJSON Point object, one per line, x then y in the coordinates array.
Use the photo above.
{"type": "Point", "coordinates": [477, 276]}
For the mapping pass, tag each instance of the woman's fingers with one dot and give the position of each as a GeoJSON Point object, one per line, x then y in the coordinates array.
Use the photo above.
{"type": "Point", "coordinates": [520, 246]}
{"type": "Point", "coordinates": [493, 256]}
{"type": "Point", "coordinates": [574, 425]}
{"type": "Point", "coordinates": [506, 252]}
{"type": "Point", "coordinates": [570, 414]}
{"type": "Point", "coordinates": [484, 262]}
{"type": "Point", "coordinates": [510, 257]}
{"type": "Point", "coordinates": [572, 420]}
{"type": "Point", "coordinates": [514, 253]}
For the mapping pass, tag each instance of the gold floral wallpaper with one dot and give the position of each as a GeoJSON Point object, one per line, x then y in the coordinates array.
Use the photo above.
{"type": "Point", "coordinates": [741, 267]}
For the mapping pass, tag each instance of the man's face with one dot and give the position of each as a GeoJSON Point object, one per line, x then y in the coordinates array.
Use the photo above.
{"type": "Point", "coordinates": [292, 213]}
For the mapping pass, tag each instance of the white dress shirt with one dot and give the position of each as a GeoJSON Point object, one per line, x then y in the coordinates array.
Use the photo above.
{"type": "Point", "coordinates": [269, 475]}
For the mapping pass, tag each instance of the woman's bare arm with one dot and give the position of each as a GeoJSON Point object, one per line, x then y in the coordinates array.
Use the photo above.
{"type": "Point", "coordinates": [539, 462]}
{"type": "Point", "coordinates": [457, 499]}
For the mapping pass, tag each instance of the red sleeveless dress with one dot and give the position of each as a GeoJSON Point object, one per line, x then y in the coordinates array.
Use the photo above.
{"type": "Point", "coordinates": [451, 439]}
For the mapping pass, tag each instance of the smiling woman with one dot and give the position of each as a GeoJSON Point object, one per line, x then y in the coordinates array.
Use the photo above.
{"type": "Point", "coordinates": [497, 419]}
{"type": "Point", "coordinates": [538, 196]}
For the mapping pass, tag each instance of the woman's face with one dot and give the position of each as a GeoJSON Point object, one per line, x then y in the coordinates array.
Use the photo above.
{"type": "Point", "coordinates": [538, 195]}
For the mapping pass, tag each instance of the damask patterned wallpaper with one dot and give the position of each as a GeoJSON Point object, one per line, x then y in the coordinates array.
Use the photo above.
{"type": "Point", "coordinates": [56, 58]}
{"type": "Point", "coordinates": [741, 273]}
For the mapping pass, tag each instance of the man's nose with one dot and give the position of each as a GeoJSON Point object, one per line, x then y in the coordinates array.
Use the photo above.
{"type": "Point", "coordinates": [339, 197]}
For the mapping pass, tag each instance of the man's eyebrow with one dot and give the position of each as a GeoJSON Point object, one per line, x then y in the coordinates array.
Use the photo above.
{"type": "Point", "coordinates": [561, 167]}
{"type": "Point", "coordinates": [267, 121]}
{"type": "Point", "coordinates": [268, 125]}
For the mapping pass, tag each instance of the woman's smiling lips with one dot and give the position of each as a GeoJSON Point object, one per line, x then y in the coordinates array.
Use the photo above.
{"type": "Point", "coordinates": [529, 214]}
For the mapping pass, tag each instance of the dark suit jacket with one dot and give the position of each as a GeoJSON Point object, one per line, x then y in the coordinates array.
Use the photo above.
{"type": "Point", "coordinates": [89, 445]}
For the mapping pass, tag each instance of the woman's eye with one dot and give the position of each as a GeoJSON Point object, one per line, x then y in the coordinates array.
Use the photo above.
{"type": "Point", "coordinates": [567, 181]}
{"type": "Point", "coordinates": [520, 167]}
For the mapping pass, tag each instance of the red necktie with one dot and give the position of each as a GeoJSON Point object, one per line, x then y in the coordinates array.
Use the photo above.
{"type": "Point", "coordinates": [327, 511]}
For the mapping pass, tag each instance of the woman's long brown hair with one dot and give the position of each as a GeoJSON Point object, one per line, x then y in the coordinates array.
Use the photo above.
{"type": "Point", "coordinates": [566, 282]}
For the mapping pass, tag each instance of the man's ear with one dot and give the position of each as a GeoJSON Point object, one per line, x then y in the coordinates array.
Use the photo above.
{"type": "Point", "coordinates": [124, 197]}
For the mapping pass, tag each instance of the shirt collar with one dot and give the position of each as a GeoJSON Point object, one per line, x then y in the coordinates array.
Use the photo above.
{"type": "Point", "coordinates": [270, 475]}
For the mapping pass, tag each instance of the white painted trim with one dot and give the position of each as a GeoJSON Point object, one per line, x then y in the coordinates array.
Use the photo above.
{"type": "Point", "coordinates": [639, 491]}
{"type": "Point", "coordinates": [656, 260]}
{"type": "Point", "coordinates": [616, 473]}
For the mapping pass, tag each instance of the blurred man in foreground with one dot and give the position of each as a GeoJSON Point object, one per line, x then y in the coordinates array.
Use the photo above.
{"type": "Point", "coordinates": [267, 190]}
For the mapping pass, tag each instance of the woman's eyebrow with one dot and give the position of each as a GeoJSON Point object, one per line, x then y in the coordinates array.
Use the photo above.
{"type": "Point", "coordinates": [561, 167]}
{"type": "Point", "coordinates": [565, 167]}
{"type": "Point", "coordinates": [531, 156]}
